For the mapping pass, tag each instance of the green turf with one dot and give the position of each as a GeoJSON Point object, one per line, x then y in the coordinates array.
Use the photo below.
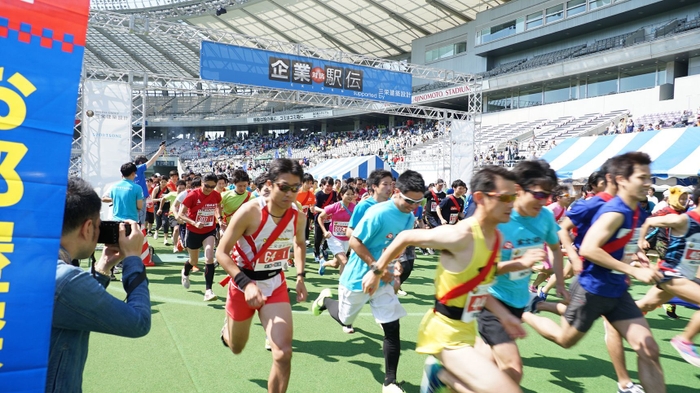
{"type": "Point", "coordinates": [183, 352]}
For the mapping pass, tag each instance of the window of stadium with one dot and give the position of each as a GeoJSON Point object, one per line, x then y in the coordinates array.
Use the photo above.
{"type": "Point", "coordinates": [593, 4]}
{"type": "Point", "coordinates": [574, 7]}
{"type": "Point", "coordinates": [603, 84]}
{"type": "Point", "coordinates": [445, 51]}
{"type": "Point", "coordinates": [637, 78]}
{"type": "Point", "coordinates": [534, 20]}
{"type": "Point", "coordinates": [555, 13]}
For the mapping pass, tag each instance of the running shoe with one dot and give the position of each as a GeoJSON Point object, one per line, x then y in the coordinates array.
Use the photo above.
{"type": "Point", "coordinates": [325, 255]}
{"type": "Point", "coordinates": [431, 251]}
{"type": "Point", "coordinates": [541, 294]}
{"type": "Point", "coordinates": [394, 387]}
{"type": "Point", "coordinates": [348, 329]}
{"type": "Point", "coordinates": [317, 306]}
{"type": "Point", "coordinates": [209, 295]}
{"type": "Point", "coordinates": [430, 382]}
{"type": "Point", "coordinates": [321, 269]}
{"type": "Point", "coordinates": [185, 280]}
{"type": "Point", "coordinates": [155, 235]}
{"type": "Point", "coordinates": [630, 388]}
{"type": "Point", "coordinates": [532, 306]}
{"type": "Point", "coordinates": [532, 289]}
{"type": "Point", "coordinates": [687, 350]}
{"type": "Point", "coordinates": [671, 310]}
{"type": "Point", "coordinates": [222, 332]}
{"type": "Point", "coordinates": [175, 250]}
{"type": "Point", "coordinates": [267, 344]}
{"type": "Point", "coordinates": [166, 242]}
{"type": "Point", "coordinates": [308, 243]}
{"type": "Point", "coordinates": [401, 292]}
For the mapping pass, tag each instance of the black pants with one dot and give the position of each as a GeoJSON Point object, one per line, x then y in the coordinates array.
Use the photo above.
{"type": "Point", "coordinates": [162, 220]}
{"type": "Point", "coordinates": [309, 219]}
{"type": "Point", "coordinates": [319, 239]}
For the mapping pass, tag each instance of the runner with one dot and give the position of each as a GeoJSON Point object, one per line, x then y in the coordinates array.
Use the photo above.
{"type": "Point", "coordinates": [340, 213]}
{"type": "Point", "coordinates": [232, 200]}
{"type": "Point", "coordinates": [198, 211]}
{"type": "Point", "coordinates": [171, 198]}
{"type": "Point", "coordinates": [601, 289]}
{"type": "Point", "coordinates": [162, 207]}
{"type": "Point", "coordinates": [150, 211]}
{"type": "Point", "coordinates": [433, 198]}
{"type": "Point", "coordinates": [531, 226]}
{"type": "Point", "coordinates": [450, 209]}
{"type": "Point", "coordinates": [326, 196]}
{"type": "Point", "coordinates": [260, 235]}
{"type": "Point", "coordinates": [374, 232]}
{"type": "Point", "coordinates": [467, 266]}
{"type": "Point", "coordinates": [380, 190]}
{"type": "Point", "coordinates": [307, 198]}
{"type": "Point", "coordinates": [680, 271]}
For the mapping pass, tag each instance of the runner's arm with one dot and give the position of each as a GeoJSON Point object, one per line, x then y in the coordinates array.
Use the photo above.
{"type": "Point", "coordinates": [322, 216]}
{"type": "Point", "coordinates": [676, 222]}
{"type": "Point", "coordinates": [439, 213]}
{"type": "Point", "coordinates": [565, 238]}
{"type": "Point", "coordinates": [361, 250]}
{"type": "Point", "coordinates": [183, 215]}
{"type": "Point", "coordinates": [440, 238]}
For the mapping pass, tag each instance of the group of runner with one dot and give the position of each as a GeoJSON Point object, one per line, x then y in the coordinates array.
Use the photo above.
{"type": "Point", "coordinates": [484, 272]}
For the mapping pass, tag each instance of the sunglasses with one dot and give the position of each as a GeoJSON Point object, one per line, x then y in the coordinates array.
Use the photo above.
{"type": "Point", "coordinates": [209, 187]}
{"type": "Point", "coordinates": [286, 187]}
{"type": "Point", "coordinates": [505, 198]}
{"type": "Point", "coordinates": [409, 200]}
{"type": "Point", "coordinates": [539, 195]}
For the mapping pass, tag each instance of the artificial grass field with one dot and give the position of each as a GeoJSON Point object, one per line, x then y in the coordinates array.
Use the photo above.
{"type": "Point", "coordinates": [183, 352]}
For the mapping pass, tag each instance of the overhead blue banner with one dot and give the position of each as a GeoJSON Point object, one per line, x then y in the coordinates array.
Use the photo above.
{"type": "Point", "coordinates": [41, 53]}
{"type": "Point", "coordinates": [237, 64]}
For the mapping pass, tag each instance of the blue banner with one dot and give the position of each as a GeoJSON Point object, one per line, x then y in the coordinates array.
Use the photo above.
{"type": "Point", "coordinates": [42, 44]}
{"type": "Point", "coordinates": [236, 64]}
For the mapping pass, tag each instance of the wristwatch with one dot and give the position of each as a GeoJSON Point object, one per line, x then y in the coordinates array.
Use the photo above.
{"type": "Point", "coordinates": [375, 269]}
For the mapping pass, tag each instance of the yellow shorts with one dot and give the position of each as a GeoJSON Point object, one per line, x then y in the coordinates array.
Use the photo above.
{"type": "Point", "coordinates": [437, 332]}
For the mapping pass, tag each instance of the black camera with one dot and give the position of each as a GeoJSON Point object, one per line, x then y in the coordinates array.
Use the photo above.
{"type": "Point", "coordinates": [162, 143]}
{"type": "Point", "coordinates": [109, 232]}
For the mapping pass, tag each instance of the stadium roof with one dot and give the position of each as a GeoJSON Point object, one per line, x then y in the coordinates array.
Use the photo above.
{"type": "Point", "coordinates": [381, 28]}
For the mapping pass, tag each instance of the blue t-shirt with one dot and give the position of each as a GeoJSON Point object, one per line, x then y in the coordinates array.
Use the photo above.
{"type": "Point", "coordinates": [603, 281]}
{"type": "Point", "coordinates": [520, 234]}
{"type": "Point", "coordinates": [360, 211]}
{"type": "Point", "coordinates": [581, 215]}
{"type": "Point", "coordinates": [124, 196]}
{"type": "Point", "coordinates": [376, 230]}
{"type": "Point", "coordinates": [140, 178]}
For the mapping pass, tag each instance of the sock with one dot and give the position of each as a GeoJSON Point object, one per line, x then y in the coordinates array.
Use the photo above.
{"type": "Point", "coordinates": [392, 350]}
{"type": "Point", "coordinates": [188, 268]}
{"type": "Point", "coordinates": [332, 306]}
{"type": "Point", "coordinates": [209, 275]}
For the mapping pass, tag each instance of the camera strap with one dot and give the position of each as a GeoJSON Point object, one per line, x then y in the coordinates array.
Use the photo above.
{"type": "Point", "coordinates": [135, 283]}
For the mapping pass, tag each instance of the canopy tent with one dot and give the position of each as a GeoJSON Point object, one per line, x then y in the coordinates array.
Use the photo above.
{"type": "Point", "coordinates": [674, 152]}
{"type": "Point", "coordinates": [343, 168]}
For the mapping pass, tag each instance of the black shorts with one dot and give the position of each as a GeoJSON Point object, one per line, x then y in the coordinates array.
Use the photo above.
{"type": "Point", "coordinates": [586, 307]}
{"type": "Point", "coordinates": [172, 222]}
{"type": "Point", "coordinates": [490, 328]}
{"type": "Point", "coordinates": [150, 217]}
{"type": "Point", "coordinates": [194, 241]}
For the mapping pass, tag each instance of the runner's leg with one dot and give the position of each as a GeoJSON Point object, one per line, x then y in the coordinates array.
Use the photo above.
{"type": "Point", "coordinates": [638, 335]}
{"type": "Point", "coordinates": [276, 319]}
{"type": "Point", "coordinates": [478, 375]}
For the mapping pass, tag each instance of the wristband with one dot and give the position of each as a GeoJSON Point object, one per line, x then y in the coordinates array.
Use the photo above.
{"type": "Point", "coordinates": [302, 274]}
{"type": "Point", "coordinates": [242, 280]}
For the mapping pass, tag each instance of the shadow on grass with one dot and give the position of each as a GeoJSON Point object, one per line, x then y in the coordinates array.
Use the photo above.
{"type": "Point", "coordinates": [584, 366]}
{"type": "Point", "coordinates": [260, 382]}
{"type": "Point", "coordinates": [333, 351]}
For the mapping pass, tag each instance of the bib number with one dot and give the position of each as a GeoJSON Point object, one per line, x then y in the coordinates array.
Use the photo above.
{"type": "Point", "coordinates": [206, 217]}
{"type": "Point", "coordinates": [690, 261]}
{"type": "Point", "coordinates": [339, 228]}
{"type": "Point", "coordinates": [453, 218]}
{"type": "Point", "coordinates": [475, 303]}
{"type": "Point", "coordinates": [516, 254]}
{"type": "Point", "coordinates": [433, 206]}
{"type": "Point", "coordinates": [273, 259]}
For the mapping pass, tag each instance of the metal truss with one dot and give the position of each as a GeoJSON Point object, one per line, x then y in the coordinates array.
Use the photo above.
{"type": "Point", "coordinates": [139, 24]}
{"type": "Point", "coordinates": [138, 122]}
{"type": "Point", "coordinates": [144, 81]}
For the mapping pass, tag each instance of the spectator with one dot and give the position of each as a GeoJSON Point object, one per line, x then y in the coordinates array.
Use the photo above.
{"type": "Point", "coordinates": [82, 304]}
{"type": "Point", "coordinates": [142, 164]}
{"type": "Point", "coordinates": [126, 196]}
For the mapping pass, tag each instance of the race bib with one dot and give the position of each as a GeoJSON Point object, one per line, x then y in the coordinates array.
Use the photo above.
{"type": "Point", "coordinates": [149, 203]}
{"type": "Point", "coordinates": [339, 228]}
{"type": "Point", "coordinates": [453, 218]}
{"type": "Point", "coordinates": [273, 259]}
{"type": "Point", "coordinates": [206, 217]}
{"type": "Point", "coordinates": [516, 254]}
{"type": "Point", "coordinates": [433, 206]}
{"type": "Point", "coordinates": [475, 302]}
{"type": "Point", "coordinates": [690, 261]}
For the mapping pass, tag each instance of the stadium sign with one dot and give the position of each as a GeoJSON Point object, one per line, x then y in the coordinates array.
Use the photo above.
{"type": "Point", "coordinates": [437, 95]}
{"type": "Point", "coordinates": [237, 64]}
{"type": "Point", "coordinates": [290, 117]}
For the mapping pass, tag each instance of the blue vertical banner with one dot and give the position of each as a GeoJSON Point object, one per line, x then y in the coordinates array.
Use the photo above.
{"type": "Point", "coordinates": [41, 53]}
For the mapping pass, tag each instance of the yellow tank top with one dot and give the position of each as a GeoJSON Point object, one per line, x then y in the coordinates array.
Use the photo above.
{"type": "Point", "coordinates": [446, 280]}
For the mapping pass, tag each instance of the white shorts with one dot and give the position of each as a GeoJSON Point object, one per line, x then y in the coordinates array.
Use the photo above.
{"type": "Point", "coordinates": [337, 246]}
{"type": "Point", "coordinates": [384, 303]}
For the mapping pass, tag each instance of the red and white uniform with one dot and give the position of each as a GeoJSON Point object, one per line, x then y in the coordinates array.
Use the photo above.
{"type": "Point", "coordinates": [271, 262]}
{"type": "Point", "coordinates": [202, 208]}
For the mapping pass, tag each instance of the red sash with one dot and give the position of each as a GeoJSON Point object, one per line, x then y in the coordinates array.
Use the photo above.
{"type": "Point", "coordinates": [619, 244]}
{"type": "Point", "coordinates": [454, 201]}
{"type": "Point", "coordinates": [694, 215]}
{"type": "Point", "coordinates": [468, 286]}
{"type": "Point", "coordinates": [275, 234]}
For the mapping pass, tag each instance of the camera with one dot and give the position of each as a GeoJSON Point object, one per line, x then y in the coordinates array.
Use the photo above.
{"type": "Point", "coordinates": [162, 143]}
{"type": "Point", "coordinates": [109, 232]}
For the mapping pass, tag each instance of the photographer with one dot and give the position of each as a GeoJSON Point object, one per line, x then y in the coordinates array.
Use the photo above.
{"type": "Point", "coordinates": [82, 304]}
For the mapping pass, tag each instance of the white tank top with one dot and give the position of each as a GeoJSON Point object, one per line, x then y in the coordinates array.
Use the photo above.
{"type": "Point", "coordinates": [279, 251]}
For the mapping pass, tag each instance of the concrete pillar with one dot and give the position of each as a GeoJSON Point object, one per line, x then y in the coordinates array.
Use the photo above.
{"type": "Point", "coordinates": [260, 129]}
{"type": "Point", "coordinates": [392, 121]}
{"type": "Point", "coordinates": [291, 128]}
{"type": "Point", "coordinates": [324, 127]}
{"type": "Point", "coordinates": [357, 124]}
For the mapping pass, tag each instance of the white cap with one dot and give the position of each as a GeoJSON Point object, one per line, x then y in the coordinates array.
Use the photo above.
{"type": "Point", "coordinates": [667, 193]}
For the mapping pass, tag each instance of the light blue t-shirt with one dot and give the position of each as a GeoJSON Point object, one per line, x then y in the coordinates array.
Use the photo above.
{"type": "Point", "coordinates": [360, 211]}
{"type": "Point", "coordinates": [520, 234]}
{"type": "Point", "coordinates": [124, 196]}
{"type": "Point", "coordinates": [376, 230]}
